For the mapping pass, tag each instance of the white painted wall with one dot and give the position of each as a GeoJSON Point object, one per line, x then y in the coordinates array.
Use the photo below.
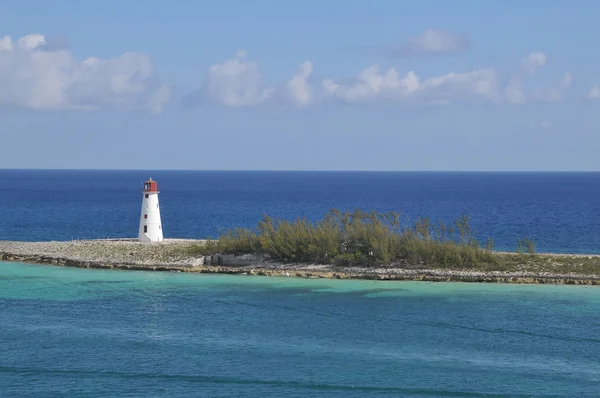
{"type": "Point", "coordinates": [153, 223]}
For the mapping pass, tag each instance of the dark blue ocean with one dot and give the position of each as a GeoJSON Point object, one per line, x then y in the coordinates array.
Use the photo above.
{"type": "Point", "coordinates": [68, 332]}
{"type": "Point", "coordinates": [559, 211]}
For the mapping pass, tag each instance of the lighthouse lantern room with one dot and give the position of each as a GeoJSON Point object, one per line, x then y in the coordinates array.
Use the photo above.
{"type": "Point", "coordinates": [150, 223]}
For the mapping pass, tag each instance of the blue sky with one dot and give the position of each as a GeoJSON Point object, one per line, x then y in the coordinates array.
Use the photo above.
{"type": "Point", "coordinates": [313, 85]}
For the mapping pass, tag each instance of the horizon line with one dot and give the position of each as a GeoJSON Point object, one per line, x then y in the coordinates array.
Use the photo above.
{"type": "Point", "coordinates": [305, 170]}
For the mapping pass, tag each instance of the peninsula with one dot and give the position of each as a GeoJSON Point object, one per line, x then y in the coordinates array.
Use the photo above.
{"type": "Point", "coordinates": [178, 255]}
{"type": "Point", "coordinates": [343, 245]}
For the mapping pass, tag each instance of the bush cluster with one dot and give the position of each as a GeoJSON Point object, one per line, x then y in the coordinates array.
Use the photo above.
{"type": "Point", "coordinates": [360, 238]}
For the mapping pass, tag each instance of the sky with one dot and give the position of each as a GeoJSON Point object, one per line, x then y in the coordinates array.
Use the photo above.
{"type": "Point", "coordinates": [446, 85]}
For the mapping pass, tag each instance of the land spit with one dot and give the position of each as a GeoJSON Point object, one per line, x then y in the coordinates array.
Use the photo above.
{"type": "Point", "coordinates": [181, 255]}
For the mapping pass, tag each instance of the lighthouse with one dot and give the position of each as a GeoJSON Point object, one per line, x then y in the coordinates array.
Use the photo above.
{"type": "Point", "coordinates": [150, 224]}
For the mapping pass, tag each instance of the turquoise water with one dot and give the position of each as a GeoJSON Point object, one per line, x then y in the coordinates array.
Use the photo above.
{"type": "Point", "coordinates": [98, 333]}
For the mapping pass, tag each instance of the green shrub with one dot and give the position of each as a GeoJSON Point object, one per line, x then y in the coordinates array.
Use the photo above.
{"type": "Point", "coordinates": [525, 245]}
{"type": "Point", "coordinates": [362, 238]}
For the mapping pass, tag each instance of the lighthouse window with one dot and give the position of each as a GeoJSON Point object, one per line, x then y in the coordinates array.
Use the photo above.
{"type": "Point", "coordinates": [146, 196]}
{"type": "Point", "coordinates": [145, 228]}
{"type": "Point", "coordinates": [145, 215]}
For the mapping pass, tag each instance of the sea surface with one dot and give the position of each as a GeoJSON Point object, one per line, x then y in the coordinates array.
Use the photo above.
{"type": "Point", "coordinates": [98, 333]}
{"type": "Point", "coordinates": [559, 211]}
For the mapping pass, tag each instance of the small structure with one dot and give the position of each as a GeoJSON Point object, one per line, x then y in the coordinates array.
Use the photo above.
{"type": "Point", "coordinates": [150, 223]}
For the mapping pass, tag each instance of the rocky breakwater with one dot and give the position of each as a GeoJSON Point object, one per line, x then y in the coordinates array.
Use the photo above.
{"type": "Point", "coordinates": [106, 253]}
{"type": "Point", "coordinates": [182, 255]}
{"type": "Point", "coordinates": [169, 255]}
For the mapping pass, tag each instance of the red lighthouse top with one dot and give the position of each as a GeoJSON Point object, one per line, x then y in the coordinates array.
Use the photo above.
{"type": "Point", "coordinates": [150, 186]}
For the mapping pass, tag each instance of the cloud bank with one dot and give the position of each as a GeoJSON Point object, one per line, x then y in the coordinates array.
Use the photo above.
{"type": "Point", "coordinates": [39, 73]}
{"type": "Point", "coordinates": [237, 82]}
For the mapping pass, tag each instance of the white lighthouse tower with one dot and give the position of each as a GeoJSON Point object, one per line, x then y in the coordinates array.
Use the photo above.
{"type": "Point", "coordinates": [150, 224]}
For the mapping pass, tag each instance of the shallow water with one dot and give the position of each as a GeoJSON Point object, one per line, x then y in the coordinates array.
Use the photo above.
{"type": "Point", "coordinates": [96, 333]}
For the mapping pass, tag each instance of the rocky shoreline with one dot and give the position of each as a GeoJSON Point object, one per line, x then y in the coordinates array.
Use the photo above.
{"type": "Point", "coordinates": [178, 255]}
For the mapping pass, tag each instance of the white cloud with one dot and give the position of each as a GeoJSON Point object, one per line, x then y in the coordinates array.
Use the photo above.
{"type": "Point", "coordinates": [159, 98]}
{"type": "Point", "coordinates": [431, 41]}
{"type": "Point", "coordinates": [35, 78]}
{"type": "Point", "coordinates": [482, 84]}
{"type": "Point", "coordinates": [557, 92]}
{"type": "Point", "coordinates": [594, 92]}
{"type": "Point", "coordinates": [39, 72]}
{"type": "Point", "coordinates": [236, 82]}
{"type": "Point", "coordinates": [31, 42]}
{"type": "Point", "coordinates": [372, 85]}
{"type": "Point", "coordinates": [298, 87]}
{"type": "Point", "coordinates": [515, 92]}
{"type": "Point", "coordinates": [534, 61]}
{"type": "Point", "coordinates": [6, 43]}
